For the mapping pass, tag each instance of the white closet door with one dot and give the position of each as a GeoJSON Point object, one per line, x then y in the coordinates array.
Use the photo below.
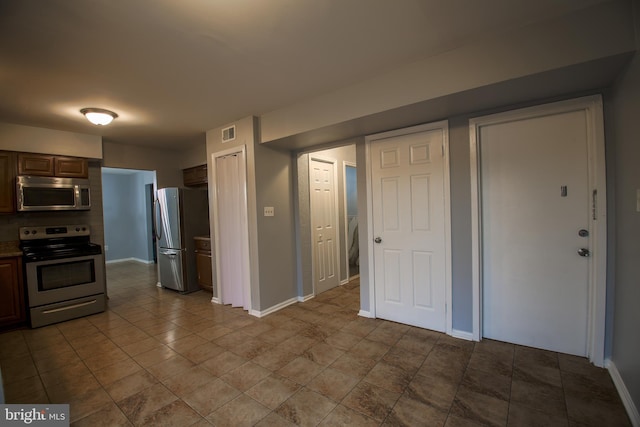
{"type": "Point", "coordinates": [230, 185]}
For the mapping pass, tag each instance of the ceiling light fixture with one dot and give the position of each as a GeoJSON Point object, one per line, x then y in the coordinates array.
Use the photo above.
{"type": "Point", "coordinates": [98, 116]}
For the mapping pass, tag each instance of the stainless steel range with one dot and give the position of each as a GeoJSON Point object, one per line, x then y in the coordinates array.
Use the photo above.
{"type": "Point", "coordinates": [64, 273]}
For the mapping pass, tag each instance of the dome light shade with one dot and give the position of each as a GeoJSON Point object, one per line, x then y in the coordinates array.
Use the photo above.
{"type": "Point", "coordinates": [98, 116]}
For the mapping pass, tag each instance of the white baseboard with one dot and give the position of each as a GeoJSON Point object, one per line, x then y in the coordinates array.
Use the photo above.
{"type": "Point", "coordinates": [215, 300]}
{"type": "Point", "coordinates": [306, 298]}
{"type": "Point", "coordinates": [344, 282]}
{"type": "Point", "coordinates": [625, 396]}
{"type": "Point", "coordinates": [273, 309]}
{"type": "Point", "coordinates": [142, 261]}
{"type": "Point", "coordinates": [363, 313]}
{"type": "Point", "coordinates": [463, 335]}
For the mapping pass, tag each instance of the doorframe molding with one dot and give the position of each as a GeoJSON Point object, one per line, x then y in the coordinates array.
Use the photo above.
{"type": "Point", "coordinates": [334, 162]}
{"type": "Point", "coordinates": [345, 164]}
{"type": "Point", "coordinates": [592, 107]}
{"type": "Point", "coordinates": [369, 139]}
{"type": "Point", "coordinates": [213, 191]}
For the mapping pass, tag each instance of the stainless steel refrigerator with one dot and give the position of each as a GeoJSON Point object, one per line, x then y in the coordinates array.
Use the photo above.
{"type": "Point", "coordinates": [181, 214]}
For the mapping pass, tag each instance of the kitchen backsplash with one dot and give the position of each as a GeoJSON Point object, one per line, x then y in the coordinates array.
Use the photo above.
{"type": "Point", "coordinates": [10, 223]}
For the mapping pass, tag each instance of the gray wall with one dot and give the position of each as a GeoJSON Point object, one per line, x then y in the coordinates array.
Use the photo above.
{"type": "Point", "coordinates": [126, 215]}
{"type": "Point", "coordinates": [276, 234]}
{"type": "Point", "coordinates": [272, 248]}
{"type": "Point", "coordinates": [340, 154]}
{"type": "Point", "coordinates": [626, 319]}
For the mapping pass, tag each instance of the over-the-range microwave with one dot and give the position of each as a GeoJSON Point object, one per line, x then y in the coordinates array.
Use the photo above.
{"type": "Point", "coordinates": [43, 193]}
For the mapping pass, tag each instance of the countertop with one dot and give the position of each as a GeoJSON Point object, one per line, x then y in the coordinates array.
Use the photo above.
{"type": "Point", "coordinates": [9, 249]}
{"type": "Point", "coordinates": [202, 237]}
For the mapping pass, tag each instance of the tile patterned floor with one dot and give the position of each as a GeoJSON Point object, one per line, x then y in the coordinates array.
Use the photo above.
{"type": "Point", "coordinates": [159, 358]}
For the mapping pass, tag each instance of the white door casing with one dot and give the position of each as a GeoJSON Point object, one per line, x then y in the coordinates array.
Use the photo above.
{"type": "Point", "coordinates": [231, 234]}
{"type": "Point", "coordinates": [345, 165]}
{"type": "Point", "coordinates": [537, 178]}
{"type": "Point", "coordinates": [408, 186]}
{"type": "Point", "coordinates": [324, 223]}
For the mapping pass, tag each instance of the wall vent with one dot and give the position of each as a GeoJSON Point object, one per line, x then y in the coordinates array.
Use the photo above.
{"type": "Point", "coordinates": [229, 134]}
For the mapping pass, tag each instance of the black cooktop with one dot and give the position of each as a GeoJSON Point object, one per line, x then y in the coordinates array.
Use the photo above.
{"type": "Point", "coordinates": [57, 248]}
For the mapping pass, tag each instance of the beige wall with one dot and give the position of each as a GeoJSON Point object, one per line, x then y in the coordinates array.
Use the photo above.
{"type": "Point", "coordinates": [166, 163]}
{"type": "Point", "coordinates": [48, 141]}
{"type": "Point", "coordinates": [30, 139]}
{"type": "Point", "coordinates": [597, 32]}
{"type": "Point", "coordinates": [195, 154]}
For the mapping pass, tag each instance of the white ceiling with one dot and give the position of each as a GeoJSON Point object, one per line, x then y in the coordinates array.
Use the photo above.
{"type": "Point", "coordinates": [174, 69]}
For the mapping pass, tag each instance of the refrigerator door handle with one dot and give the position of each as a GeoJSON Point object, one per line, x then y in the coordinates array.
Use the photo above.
{"type": "Point", "coordinates": [169, 252]}
{"type": "Point", "coordinates": [158, 209]}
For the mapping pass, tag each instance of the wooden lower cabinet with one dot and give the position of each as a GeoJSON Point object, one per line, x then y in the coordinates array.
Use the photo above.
{"type": "Point", "coordinates": [203, 263]}
{"type": "Point", "coordinates": [12, 303]}
{"type": "Point", "coordinates": [205, 272]}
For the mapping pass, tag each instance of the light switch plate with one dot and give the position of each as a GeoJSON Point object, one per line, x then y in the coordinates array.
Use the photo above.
{"type": "Point", "coordinates": [269, 211]}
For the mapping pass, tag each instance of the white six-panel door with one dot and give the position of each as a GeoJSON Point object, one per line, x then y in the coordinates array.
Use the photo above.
{"type": "Point", "coordinates": [325, 250]}
{"type": "Point", "coordinates": [409, 208]}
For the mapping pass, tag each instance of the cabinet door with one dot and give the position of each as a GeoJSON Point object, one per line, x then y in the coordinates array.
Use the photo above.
{"type": "Point", "coordinates": [7, 182]}
{"type": "Point", "coordinates": [71, 167]}
{"type": "Point", "coordinates": [12, 304]}
{"type": "Point", "coordinates": [195, 176]}
{"type": "Point", "coordinates": [35, 164]}
{"type": "Point", "coordinates": [205, 273]}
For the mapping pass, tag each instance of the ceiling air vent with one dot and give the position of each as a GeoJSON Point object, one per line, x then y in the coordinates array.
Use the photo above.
{"type": "Point", "coordinates": [229, 134]}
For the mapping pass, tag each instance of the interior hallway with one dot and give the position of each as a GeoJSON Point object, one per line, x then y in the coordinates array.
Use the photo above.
{"type": "Point", "coordinates": [159, 358]}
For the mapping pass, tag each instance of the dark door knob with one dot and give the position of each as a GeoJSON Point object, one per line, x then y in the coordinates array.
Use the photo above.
{"type": "Point", "coordinates": [377, 240]}
{"type": "Point", "coordinates": [584, 252]}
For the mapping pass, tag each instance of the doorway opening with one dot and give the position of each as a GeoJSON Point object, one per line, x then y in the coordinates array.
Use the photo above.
{"type": "Point", "coordinates": [127, 197]}
{"type": "Point", "coordinates": [328, 222]}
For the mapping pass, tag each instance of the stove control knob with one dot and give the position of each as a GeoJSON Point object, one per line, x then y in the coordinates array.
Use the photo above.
{"type": "Point", "coordinates": [26, 231]}
{"type": "Point", "coordinates": [84, 228]}
{"type": "Point", "coordinates": [34, 231]}
{"type": "Point", "coordinates": [77, 228]}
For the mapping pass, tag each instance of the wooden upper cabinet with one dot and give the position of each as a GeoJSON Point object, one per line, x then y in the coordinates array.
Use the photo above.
{"type": "Point", "coordinates": [7, 182]}
{"type": "Point", "coordinates": [195, 176]}
{"type": "Point", "coordinates": [46, 165]}
{"type": "Point", "coordinates": [35, 164]}
{"type": "Point", "coordinates": [71, 167]}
